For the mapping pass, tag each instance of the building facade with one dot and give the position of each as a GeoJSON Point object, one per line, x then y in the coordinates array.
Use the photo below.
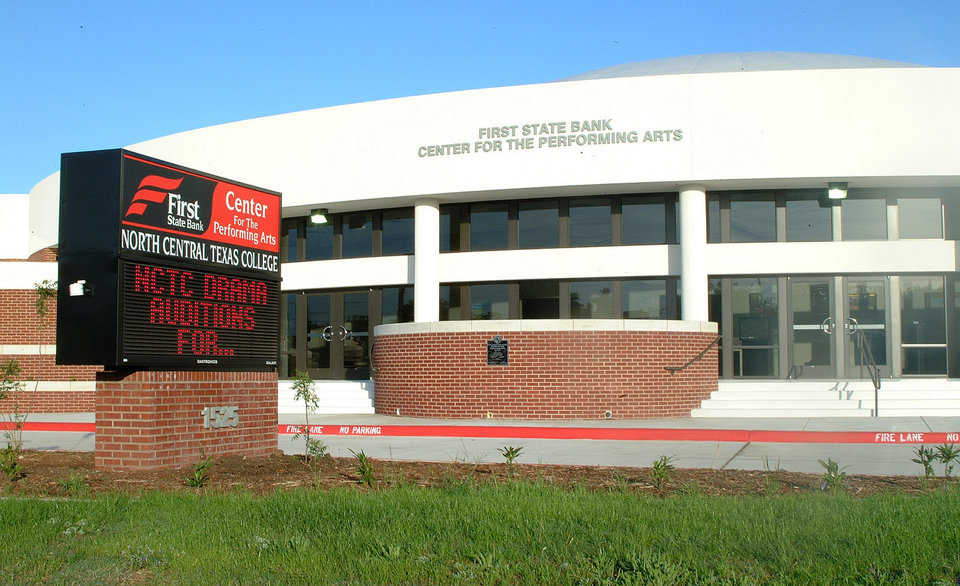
{"type": "Point", "coordinates": [692, 189]}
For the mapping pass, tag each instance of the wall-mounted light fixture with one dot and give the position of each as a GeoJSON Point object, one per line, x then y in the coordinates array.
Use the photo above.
{"type": "Point", "coordinates": [836, 191]}
{"type": "Point", "coordinates": [319, 215]}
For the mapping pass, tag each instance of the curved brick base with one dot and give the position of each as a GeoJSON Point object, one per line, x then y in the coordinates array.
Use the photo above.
{"type": "Point", "coordinates": [152, 419]}
{"type": "Point", "coordinates": [576, 374]}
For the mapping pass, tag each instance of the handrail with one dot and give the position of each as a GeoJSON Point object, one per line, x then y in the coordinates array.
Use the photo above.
{"type": "Point", "coordinates": [867, 359]}
{"type": "Point", "coordinates": [675, 369]}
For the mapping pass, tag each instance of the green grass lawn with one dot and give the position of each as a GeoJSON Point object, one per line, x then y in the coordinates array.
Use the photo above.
{"type": "Point", "coordinates": [518, 532]}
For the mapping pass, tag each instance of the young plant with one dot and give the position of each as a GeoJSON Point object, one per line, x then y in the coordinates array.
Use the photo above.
{"type": "Point", "coordinates": [199, 476]}
{"type": "Point", "coordinates": [303, 390]}
{"type": "Point", "coordinates": [364, 468]}
{"type": "Point", "coordinates": [10, 462]}
{"type": "Point", "coordinates": [76, 485]}
{"type": "Point", "coordinates": [948, 454]}
{"type": "Point", "coordinates": [771, 479]}
{"type": "Point", "coordinates": [925, 457]}
{"type": "Point", "coordinates": [510, 454]}
{"type": "Point", "coordinates": [834, 476]}
{"type": "Point", "coordinates": [661, 471]}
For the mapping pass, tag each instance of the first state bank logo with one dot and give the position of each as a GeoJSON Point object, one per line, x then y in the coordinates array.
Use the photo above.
{"type": "Point", "coordinates": [173, 202]}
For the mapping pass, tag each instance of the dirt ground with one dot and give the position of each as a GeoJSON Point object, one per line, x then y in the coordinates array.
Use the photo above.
{"type": "Point", "coordinates": [59, 474]}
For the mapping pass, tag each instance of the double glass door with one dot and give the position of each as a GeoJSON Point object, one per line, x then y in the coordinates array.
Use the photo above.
{"type": "Point", "coordinates": [337, 334]}
{"type": "Point", "coordinates": [833, 337]}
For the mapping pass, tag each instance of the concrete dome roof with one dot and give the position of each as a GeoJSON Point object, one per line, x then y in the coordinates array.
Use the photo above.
{"type": "Point", "coordinates": [729, 62]}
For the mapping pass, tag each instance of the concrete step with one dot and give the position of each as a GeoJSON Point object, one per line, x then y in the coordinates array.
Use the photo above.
{"type": "Point", "coordinates": [335, 397]}
{"type": "Point", "coordinates": [781, 412]}
{"type": "Point", "coordinates": [918, 412]}
{"type": "Point", "coordinates": [788, 405]}
{"type": "Point", "coordinates": [885, 394]}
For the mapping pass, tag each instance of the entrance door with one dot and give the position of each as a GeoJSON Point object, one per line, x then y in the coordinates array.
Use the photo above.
{"type": "Point", "coordinates": [865, 325]}
{"type": "Point", "coordinates": [337, 335]}
{"type": "Point", "coordinates": [813, 327]}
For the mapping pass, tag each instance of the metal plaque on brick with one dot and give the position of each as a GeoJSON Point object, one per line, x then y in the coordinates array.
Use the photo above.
{"type": "Point", "coordinates": [498, 352]}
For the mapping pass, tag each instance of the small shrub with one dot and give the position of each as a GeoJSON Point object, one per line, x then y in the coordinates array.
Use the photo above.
{"type": "Point", "coordinates": [76, 485]}
{"type": "Point", "coordinates": [925, 457]}
{"type": "Point", "coordinates": [364, 468]}
{"type": "Point", "coordinates": [303, 391]}
{"type": "Point", "coordinates": [661, 470]}
{"type": "Point", "coordinates": [948, 454]}
{"type": "Point", "coordinates": [10, 462]}
{"type": "Point", "coordinates": [771, 478]}
{"type": "Point", "coordinates": [834, 476]}
{"type": "Point", "coordinates": [199, 475]}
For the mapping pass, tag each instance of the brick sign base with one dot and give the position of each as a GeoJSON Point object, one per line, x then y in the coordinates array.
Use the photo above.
{"type": "Point", "coordinates": [580, 373]}
{"type": "Point", "coordinates": [154, 419]}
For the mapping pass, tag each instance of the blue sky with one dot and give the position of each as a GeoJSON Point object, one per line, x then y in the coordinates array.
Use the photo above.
{"type": "Point", "coordinates": [101, 74]}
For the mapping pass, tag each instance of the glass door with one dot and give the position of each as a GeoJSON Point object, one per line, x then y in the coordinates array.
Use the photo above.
{"type": "Point", "coordinates": [812, 328]}
{"type": "Point", "coordinates": [337, 335]}
{"type": "Point", "coordinates": [865, 325]}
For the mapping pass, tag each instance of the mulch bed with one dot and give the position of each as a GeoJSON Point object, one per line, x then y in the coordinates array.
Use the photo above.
{"type": "Point", "coordinates": [58, 474]}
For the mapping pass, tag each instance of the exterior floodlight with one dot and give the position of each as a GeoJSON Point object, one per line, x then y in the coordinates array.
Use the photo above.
{"type": "Point", "coordinates": [319, 215]}
{"type": "Point", "coordinates": [837, 191]}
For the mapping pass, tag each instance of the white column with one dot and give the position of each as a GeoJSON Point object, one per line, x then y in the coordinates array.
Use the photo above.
{"type": "Point", "coordinates": [426, 280]}
{"type": "Point", "coordinates": [693, 252]}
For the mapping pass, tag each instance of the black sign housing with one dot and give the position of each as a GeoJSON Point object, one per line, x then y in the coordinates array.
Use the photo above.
{"type": "Point", "coordinates": [181, 267]}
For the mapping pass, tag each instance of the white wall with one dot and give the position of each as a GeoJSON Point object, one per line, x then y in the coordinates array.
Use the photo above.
{"type": "Point", "coordinates": [23, 275]}
{"type": "Point", "coordinates": [14, 225]}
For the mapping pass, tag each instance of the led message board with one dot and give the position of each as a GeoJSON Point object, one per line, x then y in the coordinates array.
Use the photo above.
{"type": "Point", "coordinates": [172, 268]}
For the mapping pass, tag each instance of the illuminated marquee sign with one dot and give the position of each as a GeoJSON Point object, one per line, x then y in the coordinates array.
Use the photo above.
{"type": "Point", "coordinates": [181, 269]}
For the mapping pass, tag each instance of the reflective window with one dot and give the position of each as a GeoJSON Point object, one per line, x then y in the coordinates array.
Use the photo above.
{"type": "Point", "coordinates": [319, 241]}
{"type": "Point", "coordinates": [864, 219]}
{"type": "Point", "coordinates": [357, 235]}
{"type": "Point", "coordinates": [920, 218]}
{"type": "Point", "coordinates": [809, 220]}
{"type": "Point", "coordinates": [288, 351]}
{"type": "Point", "coordinates": [644, 220]}
{"type": "Point", "coordinates": [539, 224]}
{"type": "Point", "coordinates": [590, 223]}
{"type": "Point", "coordinates": [450, 305]}
{"type": "Point", "coordinates": [753, 220]}
{"type": "Point", "coordinates": [396, 304]}
{"type": "Point", "coordinates": [645, 299]}
{"type": "Point", "coordinates": [289, 235]}
{"type": "Point", "coordinates": [539, 299]}
{"type": "Point", "coordinates": [490, 301]}
{"type": "Point", "coordinates": [318, 318]}
{"type": "Point", "coordinates": [755, 326]}
{"type": "Point", "coordinates": [713, 220]}
{"type": "Point", "coordinates": [488, 226]}
{"type": "Point", "coordinates": [715, 300]}
{"type": "Point", "coordinates": [923, 325]}
{"type": "Point", "coordinates": [397, 233]}
{"type": "Point", "coordinates": [591, 299]}
{"type": "Point", "coordinates": [450, 220]}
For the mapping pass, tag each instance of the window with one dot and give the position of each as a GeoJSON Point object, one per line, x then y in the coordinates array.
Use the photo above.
{"type": "Point", "coordinates": [490, 301]}
{"type": "Point", "coordinates": [318, 318]}
{"type": "Point", "coordinates": [809, 220]}
{"type": "Point", "coordinates": [713, 220]}
{"type": "Point", "coordinates": [319, 241]}
{"type": "Point", "coordinates": [289, 240]}
{"type": "Point", "coordinates": [715, 288]}
{"type": "Point", "coordinates": [753, 219]}
{"type": "Point", "coordinates": [451, 217]}
{"type": "Point", "coordinates": [755, 314]}
{"type": "Point", "coordinates": [644, 220]}
{"type": "Point", "coordinates": [397, 232]}
{"type": "Point", "coordinates": [920, 218]}
{"type": "Point", "coordinates": [451, 307]}
{"type": "Point", "coordinates": [539, 299]}
{"type": "Point", "coordinates": [357, 235]}
{"type": "Point", "coordinates": [645, 299]}
{"type": "Point", "coordinates": [591, 299]}
{"type": "Point", "coordinates": [590, 222]}
{"type": "Point", "coordinates": [396, 304]}
{"type": "Point", "coordinates": [288, 351]}
{"type": "Point", "coordinates": [488, 226]}
{"type": "Point", "coordinates": [864, 219]}
{"type": "Point", "coordinates": [539, 223]}
{"type": "Point", "coordinates": [923, 325]}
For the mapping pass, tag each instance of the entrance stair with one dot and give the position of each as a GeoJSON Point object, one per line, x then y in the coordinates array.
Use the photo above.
{"type": "Point", "coordinates": [778, 398]}
{"type": "Point", "coordinates": [336, 397]}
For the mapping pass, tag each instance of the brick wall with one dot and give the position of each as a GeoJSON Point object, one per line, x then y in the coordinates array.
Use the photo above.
{"type": "Point", "coordinates": [152, 419]}
{"type": "Point", "coordinates": [551, 375]}
{"type": "Point", "coordinates": [18, 327]}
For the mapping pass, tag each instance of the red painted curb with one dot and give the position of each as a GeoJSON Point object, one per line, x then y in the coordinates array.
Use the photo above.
{"type": "Point", "coordinates": [592, 433]}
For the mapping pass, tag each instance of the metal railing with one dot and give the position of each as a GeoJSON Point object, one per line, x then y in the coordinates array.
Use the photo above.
{"type": "Point", "coordinates": [675, 369]}
{"type": "Point", "coordinates": [866, 361]}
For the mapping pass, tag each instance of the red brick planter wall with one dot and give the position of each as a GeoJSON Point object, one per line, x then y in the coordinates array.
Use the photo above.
{"type": "Point", "coordinates": [551, 375]}
{"type": "Point", "coordinates": [152, 419]}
